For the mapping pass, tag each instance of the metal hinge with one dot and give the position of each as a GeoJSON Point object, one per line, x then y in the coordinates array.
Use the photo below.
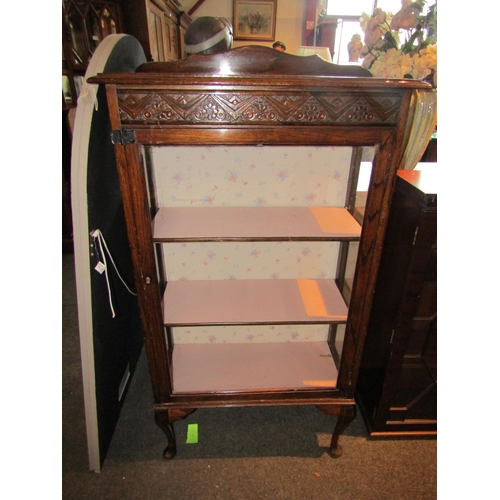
{"type": "Point", "coordinates": [123, 137]}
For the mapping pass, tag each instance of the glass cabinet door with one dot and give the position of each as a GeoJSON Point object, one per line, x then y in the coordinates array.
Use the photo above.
{"type": "Point", "coordinates": [256, 250]}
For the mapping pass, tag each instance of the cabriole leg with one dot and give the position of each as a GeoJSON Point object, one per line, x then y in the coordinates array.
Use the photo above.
{"type": "Point", "coordinates": [165, 421]}
{"type": "Point", "coordinates": [345, 415]}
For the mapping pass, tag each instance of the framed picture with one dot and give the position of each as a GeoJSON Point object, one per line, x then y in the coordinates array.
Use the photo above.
{"type": "Point", "coordinates": [254, 19]}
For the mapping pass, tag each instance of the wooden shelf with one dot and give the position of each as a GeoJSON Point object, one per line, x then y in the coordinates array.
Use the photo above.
{"type": "Point", "coordinates": [203, 368]}
{"type": "Point", "coordinates": [232, 302]}
{"type": "Point", "coordinates": [254, 224]}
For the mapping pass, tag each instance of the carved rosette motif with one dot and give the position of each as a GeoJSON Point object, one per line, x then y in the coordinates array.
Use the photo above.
{"type": "Point", "coordinates": [195, 108]}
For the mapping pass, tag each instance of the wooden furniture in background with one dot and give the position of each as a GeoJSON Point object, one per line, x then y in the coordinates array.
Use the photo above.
{"type": "Point", "coordinates": [184, 22]}
{"type": "Point", "coordinates": [159, 25]}
{"type": "Point", "coordinates": [397, 386]}
{"type": "Point", "coordinates": [85, 23]}
{"type": "Point", "coordinates": [254, 97]}
{"type": "Point", "coordinates": [327, 30]}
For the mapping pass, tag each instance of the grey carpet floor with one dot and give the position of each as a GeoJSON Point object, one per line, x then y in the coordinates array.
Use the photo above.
{"type": "Point", "coordinates": [242, 453]}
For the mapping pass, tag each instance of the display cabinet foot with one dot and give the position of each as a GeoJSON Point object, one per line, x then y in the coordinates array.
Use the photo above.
{"type": "Point", "coordinates": [345, 415]}
{"type": "Point", "coordinates": [165, 421]}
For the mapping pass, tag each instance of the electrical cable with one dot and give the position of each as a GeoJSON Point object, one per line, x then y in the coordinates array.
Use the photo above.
{"type": "Point", "coordinates": [102, 267]}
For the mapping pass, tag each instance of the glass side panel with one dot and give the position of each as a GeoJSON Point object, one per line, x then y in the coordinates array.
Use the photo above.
{"type": "Point", "coordinates": [349, 251]}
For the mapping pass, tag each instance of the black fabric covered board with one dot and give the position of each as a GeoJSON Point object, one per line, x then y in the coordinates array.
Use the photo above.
{"type": "Point", "coordinates": [117, 341]}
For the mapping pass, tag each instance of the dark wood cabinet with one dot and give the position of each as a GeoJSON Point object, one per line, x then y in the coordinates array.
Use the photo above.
{"type": "Point", "coordinates": [159, 25]}
{"type": "Point", "coordinates": [397, 386]}
{"type": "Point", "coordinates": [85, 23]}
{"type": "Point", "coordinates": [218, 154]}
{"type": "Point", "coordinates": [327, 31]}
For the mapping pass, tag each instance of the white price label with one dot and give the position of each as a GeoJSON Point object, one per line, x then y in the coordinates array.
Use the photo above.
{"type": "Point", "coordinates": [100, 268]}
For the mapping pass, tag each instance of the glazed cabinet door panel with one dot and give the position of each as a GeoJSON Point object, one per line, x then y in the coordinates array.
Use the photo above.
{"type": "Point", "coordinates": [158, 33]}
{"type": "Point", "coordinates": [397, 389]}
{"type": "Point", "coordinates": [249, 239]}
{"type": "Point", "coordinates": [172, 34]}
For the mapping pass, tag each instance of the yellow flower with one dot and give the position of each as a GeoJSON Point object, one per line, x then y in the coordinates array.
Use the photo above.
{"type": "Point", "coordinates": [425, 62]}
{"type": "Point", "coordinates": [388, 65]}
{"type": "Point", "coordinates": [406, 64]}
{"type": "Point", "coordinates": [430, 52]}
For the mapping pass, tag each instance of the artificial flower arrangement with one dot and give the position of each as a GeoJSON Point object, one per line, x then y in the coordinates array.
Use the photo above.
{"type": "Point", "coordinates": [385, 56]}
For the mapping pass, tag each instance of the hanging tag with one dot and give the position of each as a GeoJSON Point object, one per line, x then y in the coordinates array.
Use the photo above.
{"type": "Point", "coordinates": [100, 268]}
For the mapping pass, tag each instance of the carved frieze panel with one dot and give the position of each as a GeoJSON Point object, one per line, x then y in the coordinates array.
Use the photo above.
{"type": "Point", "coordinates": [235, 108]}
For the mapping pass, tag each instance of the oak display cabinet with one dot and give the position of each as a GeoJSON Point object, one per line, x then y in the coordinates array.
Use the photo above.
{"type": "Point", "coordinates": [238, 173]}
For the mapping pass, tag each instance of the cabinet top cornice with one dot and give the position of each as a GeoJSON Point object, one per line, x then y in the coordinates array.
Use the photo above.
{"type": "Point", "coordinates": [254, 66]}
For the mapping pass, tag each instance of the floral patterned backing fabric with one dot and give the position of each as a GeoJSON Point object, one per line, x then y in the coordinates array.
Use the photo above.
{"type": "Point", "coordinates": [250, 176]}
